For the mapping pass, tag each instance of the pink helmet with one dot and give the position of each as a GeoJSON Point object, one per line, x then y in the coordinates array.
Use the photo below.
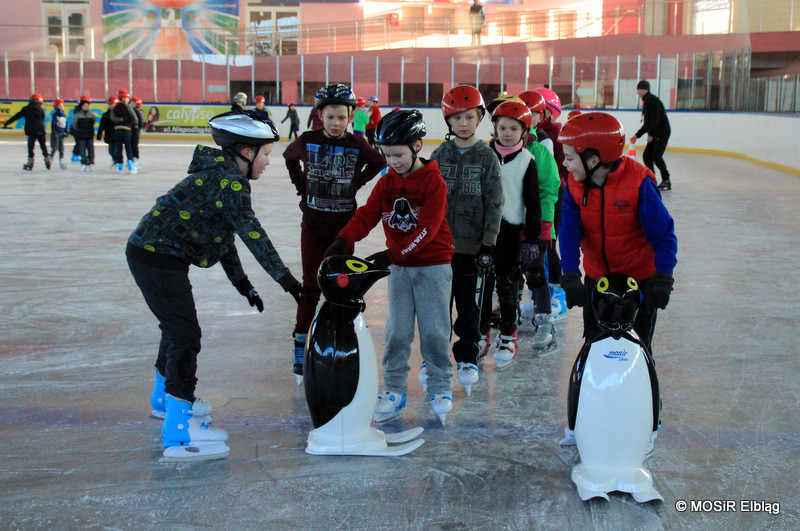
{"type": "Point", "coordinates": [552, 101]}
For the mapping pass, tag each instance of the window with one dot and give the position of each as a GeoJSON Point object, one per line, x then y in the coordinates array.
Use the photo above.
{"type": "Point", "coordinates": [66, 27]}
{"type": "Point", "coordinates": [272, 30]}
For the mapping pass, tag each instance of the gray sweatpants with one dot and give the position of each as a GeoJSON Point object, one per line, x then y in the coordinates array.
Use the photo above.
{"type": "Point", "coordinates": [423, 292]}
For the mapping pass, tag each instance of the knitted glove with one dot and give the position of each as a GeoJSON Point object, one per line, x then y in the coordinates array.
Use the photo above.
{"type": "Point", "coordinates": [657, 290]}
{"type": "Point", "coordinates": [574, 289]}
{"type": "Point", "coordinates": [246, 289]}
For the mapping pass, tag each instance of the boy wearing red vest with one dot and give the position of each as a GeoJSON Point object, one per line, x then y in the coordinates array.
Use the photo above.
{"type": "Point", "coordinates": [613, 213]}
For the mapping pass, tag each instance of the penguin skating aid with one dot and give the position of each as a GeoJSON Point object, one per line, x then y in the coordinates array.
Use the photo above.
{"type": "Point", "coordinates": [613, 400]}
{"type": "Point", "coordinates": [340, 371]}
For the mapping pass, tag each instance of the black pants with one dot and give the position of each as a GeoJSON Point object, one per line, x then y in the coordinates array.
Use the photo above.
{"type": "Point", "coordinates": [553, 260]}
{"type": "Point", "coordinates": [371, 137]}
{"type": "Point", "coordinates": [42, 139]}
{"type": "Point", "coordinates": [654, 154]}
{"type": "Point", "coordinates": [86, 150]}
{"type": "Point", "coordinates": [122, 137]}
{"type": "Point", "coordinates": [506, 276]}
{"type": "Point", "coordinates": [168, 294]}
{"type": "Point", "coordinates": [467, 323]}
{"type": "Point", "coordinates": [644, 325]}
{"type": "Point", "coordinates": [135, 134]}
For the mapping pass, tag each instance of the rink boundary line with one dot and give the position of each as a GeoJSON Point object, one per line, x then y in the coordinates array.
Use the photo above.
{"type": "Point", "coordinates": [732, 154]}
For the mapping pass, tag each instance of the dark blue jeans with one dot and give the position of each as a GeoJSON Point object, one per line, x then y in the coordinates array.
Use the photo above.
{"type": "Point", "coordinates": [168, 294]}
{"type": "Point", "coordinates": [122, 137]}
{"type": "Point", "coordinates": [86, 150]}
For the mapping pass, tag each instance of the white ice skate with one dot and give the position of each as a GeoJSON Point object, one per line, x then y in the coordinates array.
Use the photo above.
{"type": "Point", "coordinates": [507, 351]}
{"type": "Point", "coordinates": [526, 309]}
{"type": "Point", "coordinates": [544, 340]}
{"type": "Point", "coordinates": [423, 377]}
{"type": "Point", "coordinates": [186, 438]}
{"type": "Point", "coordinates": [485, 345]}
{"type": "Point", "coordinates": [388, 406]}
{"type": "Point", "coordinates": [441, 405]}
{"type": "Point", "coordinates": [467, 375]}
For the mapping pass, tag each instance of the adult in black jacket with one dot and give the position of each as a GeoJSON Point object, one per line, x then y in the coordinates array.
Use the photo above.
{"type": "Point", "coordinates": [656, 126]}
{"type": "Point", "coordinates": [34, 128]}
{"type": "Point", "coordinates": [105, 131]}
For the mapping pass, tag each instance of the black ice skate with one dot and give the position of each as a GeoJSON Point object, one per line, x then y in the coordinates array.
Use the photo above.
{"type": "Point", "coordinates": [28, 166]}
{"type": "Point", "coordinates": [665, 185]}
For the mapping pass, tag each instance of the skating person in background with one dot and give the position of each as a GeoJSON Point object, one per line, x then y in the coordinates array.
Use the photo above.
{"type": "Point", "coordinates": [294, 121]}
{"type": "Point", "coordinates": [260, 102]}
{"type": "Point", "coordinates": [551, 127]}
{"type": "Point", "coordinates": [105, 131]}
{"type": "Point", "coordinates": [199, 229]}
{"type": "Point", "coordinates": [656, 126]}
{"type": "Point", "coordinates": [125, 121]}
{"type": "Point", "coordinates": [521, 212]}
{"type": "Point", "coordinates": [314, 120]}
{"type": "Point", "coordinates": [554, 307]}
{"type": "Point", "coordinates": [83, 123]}
{"type": "Point", "coordinates": [410, 201]}
{"type": "Point", "coordinates": [477, 18]}
{"type": "Point", "coordinates": [474, 210]}
{"type": "Point", "coordinates": [360, 118]}
{"type": "Point", "coordinates": [75, 155]}
{"type": "Point", "coordinates": [136, 132]}
{"type": "Point", "coordinates": [34, 129]}
{"type": "Point", "coordinates": [374, 117]}
{"type": "Point", "coordinates": [58, 131]}
{"type": "Point", "coordinates": [614, 215]}
{"type": "Point", "coordinates": [239, 102]}
{"type": "Point", "coordinates": [327, 167]}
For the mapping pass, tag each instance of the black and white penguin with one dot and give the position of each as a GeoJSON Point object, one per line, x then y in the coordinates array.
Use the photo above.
{"type": "Point", "coordinates": [341, 367]}
{"type": "Point", "coordinates": [613, 400]}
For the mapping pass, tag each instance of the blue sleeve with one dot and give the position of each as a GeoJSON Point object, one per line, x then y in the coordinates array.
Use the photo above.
{"type": "Point", "coordinates": [659, 227]}
{"type": "Point", "coordinates": [569, 235]}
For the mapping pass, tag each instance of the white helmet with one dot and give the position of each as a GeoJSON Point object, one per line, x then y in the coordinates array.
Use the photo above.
{"type": "Point", "coordinates": [232, 128]}
{"type": "Point", "coordinates": [240, 98]}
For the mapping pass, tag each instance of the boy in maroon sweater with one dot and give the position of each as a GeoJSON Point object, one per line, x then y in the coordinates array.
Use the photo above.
{"type": "Point", "coordinates": [411, 202]}
{"type": "Point", "coordinates": [327, 167]}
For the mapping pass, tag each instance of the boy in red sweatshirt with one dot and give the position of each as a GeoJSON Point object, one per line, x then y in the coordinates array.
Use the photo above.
{"type": "Point", "coordinates": [411, 202]}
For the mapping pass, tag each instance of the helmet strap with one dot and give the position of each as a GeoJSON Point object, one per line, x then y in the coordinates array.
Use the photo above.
{"type": "Point", "coordinates": [232, 152]}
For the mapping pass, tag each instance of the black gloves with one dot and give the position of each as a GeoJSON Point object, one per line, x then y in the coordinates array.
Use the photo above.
{"type": "Point", "coordinates": [246, 289]}
{"type": "Point", "coordinates": [573, 289]}
{"type": "Point", "coordinates": [339, 246]}
{"type": "Point", "coordinates": [295, 290]}
{"type": "Point", "coordinates": [380, 260]}
{"type": "Point", "coordinates": [656, 290]}
{"type": "Point", "coordinates": [485, 259]}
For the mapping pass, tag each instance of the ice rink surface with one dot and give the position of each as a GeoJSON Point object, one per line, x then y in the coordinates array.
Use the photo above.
{"type": "Point", "coordinates": [79, 448]}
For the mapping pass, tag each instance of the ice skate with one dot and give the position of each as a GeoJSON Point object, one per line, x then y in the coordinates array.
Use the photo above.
{"type": "Point", "coordinates": [485, 344]}
{"type": "Point", "coordinates": [47, 162]}
{"type": "Point", "coordinates": [84, 167]}
{"type": "Point", "coordinates": [185, 438]}
{"type": "Point", "coordinates": [200, 410]}
{"type": "Point", "coordinates": [76, 158]}
{"type": "Point", "coordinates": [131, 168]}
{"type": "Point", "coordinates": [388, 406]}
{"type": "Point", "coordinates": [299, 353]}
{"type": "Point", "coordinates": [558, 303]}
{"type": "Point", "coordinates": [544, 340]}
{"type": "Point", "coordinates": [441, 405]}
{"type": "Point", "coordinates": [112, 166]}
{"type": "Point", "coordinates": [61, 164]}
{"type": "Point", "coordinates": [28, 166]}
{"type": "Point", "coordinates": [665, 185]}
{"type": "Point", "coordinates": [505, 354]}
{"type": "Point", "coordinates": [119, 168]}
{"type": "Point", "coordinates": [423, 376]}
{"type": "Point", "coordinates": [467, 375]}
{"type": "Point", "coordinates": [137, 162]}
{"type": "Point", "coordinates": [526, 309]}
{"type": "Point", "coordinates": [569, 438]}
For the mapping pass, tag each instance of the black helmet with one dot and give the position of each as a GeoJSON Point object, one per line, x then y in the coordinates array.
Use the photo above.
{"type": "Point", "coordinates": [338, 94]}
{"type": "Point", "coordinates": [232, 128]}
{"type": "Point", "coordinates": [615, 301]}
{"type": "Point", "coordinates": [400, 128]}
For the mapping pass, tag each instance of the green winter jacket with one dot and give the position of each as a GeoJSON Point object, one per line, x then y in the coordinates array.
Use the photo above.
{"type": "Point", "coordinates": [197, 220]}
{"type": "Point", "coordinates": [549, 181]}
{"type": "Point", "coordinates": [474, 194]}
{"type": "Point", "coordinates": [360, 120]}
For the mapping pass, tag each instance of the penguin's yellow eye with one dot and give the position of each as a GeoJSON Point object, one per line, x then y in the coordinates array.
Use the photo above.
{"type": "Point", "coordinates": [357, 265]}
{"type": "Point", "coordinates": [632, 283]}
{"type": "Point", "coordinates": [602, 284]}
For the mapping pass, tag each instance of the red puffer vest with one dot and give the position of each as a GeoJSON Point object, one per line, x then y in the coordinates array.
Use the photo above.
{"type": "Point", "coordinates": [613, 239]}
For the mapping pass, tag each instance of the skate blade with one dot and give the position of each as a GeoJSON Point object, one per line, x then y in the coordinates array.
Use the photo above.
{"type": "Point", "coordinates": [159, 414]}
{"type": "Point", "coordinates": [504, 364]}
{"type": "Point", "coordinates": [467, 389]}
{"type": "Point", "coordinates": [391, 451]}
{"type": "Point", "coordinates": [404, 436]}
{"type": "Point", "coordinates": [299, 378]}
{"type": "Point", "coordinates": [380, 418]}
{"type": "Point", "coordinates": [442, 418]}
{"type": "Point", "coordinates": [545, 350]}
{"type": "Point", "coordinates": [195, 452]}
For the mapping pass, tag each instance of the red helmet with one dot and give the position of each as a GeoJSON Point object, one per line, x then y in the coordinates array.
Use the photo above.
{"type": "Point", "coordinates": [137, 101]}
{"type": "Point", "coordinates": [37, 97]}
{"type": "Point", "coordinates": [516, 110]}
{"type": "Point", "coordinates": [113, 100]}
{"type": "Point", "coordinates": [123, 94]}
{"type": "Point", "coordinates": [260, 99]}
{"type": "Point", "coordinates": [462, 98]}
{"type": "Point", "coordinates": [573, 114]}
{"type": "Point", "coordinates": [360, 102]}
{"type": "Point", "coordinates": [533, 100]}
{"type": "Point", "coordinates": [84, 99]}
{"type": "Point", "coordinates": [552, 101]}
{"type": "Point", "coordinates": [56, 102]}
{"type": "Point", "coordinates": [595, 130]}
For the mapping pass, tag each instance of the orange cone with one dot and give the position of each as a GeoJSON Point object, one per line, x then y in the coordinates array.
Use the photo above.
{"type": "Point", "coordinates": [632, 150]}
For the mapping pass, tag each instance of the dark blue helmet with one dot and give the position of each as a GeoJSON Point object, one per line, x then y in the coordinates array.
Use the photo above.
{"type": "Point", "coordinates": [335, 94]}
{"type": "Point", "coordinates": [400, 128]}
